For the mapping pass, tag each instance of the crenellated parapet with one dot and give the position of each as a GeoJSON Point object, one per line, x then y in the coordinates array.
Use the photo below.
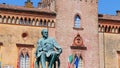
{"type": "Point", "coordinates": [109, 28]}
{"type": "Point", "coordinates": [51, 4]}
{"type": "Point", "coordinates": [88, 1]}
{"type": "Point", "coordinates": [27, 21]}
{"type": "Point", "coordinates": [26, 16]}
{"type": "Point", "coordinates": [109, 24]}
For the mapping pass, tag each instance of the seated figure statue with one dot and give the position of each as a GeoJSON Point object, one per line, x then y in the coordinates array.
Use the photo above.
{"type": "Point", "coordinates": [47, 50]}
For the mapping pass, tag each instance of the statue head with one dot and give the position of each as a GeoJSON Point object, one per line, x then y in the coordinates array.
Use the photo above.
{"type": "Point", "coordinates": [44, 33]}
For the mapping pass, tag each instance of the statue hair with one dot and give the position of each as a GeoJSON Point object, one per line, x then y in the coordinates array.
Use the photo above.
{"type": "Point", "coordinates": [43, 31]}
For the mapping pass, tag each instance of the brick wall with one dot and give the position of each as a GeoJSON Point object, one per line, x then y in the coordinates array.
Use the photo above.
{"type": "Point", "coordinates": [66, 11]}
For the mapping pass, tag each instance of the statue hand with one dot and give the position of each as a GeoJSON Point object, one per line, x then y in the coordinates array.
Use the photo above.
{"type": "Point", "coordinates": [57, 53]}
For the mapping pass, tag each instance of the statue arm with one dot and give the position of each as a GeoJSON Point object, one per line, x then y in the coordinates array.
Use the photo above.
{"type": "Point", "coordinates": [36, 52]}
{"type": "Point", "coordinates": [57, 46]}
{"type": "Point", "coordinates": [38, 47]}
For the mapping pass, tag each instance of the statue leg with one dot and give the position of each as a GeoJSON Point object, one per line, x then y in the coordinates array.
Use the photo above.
{"type": "Point", "coordinates": [36, 64]}
{"type": "Point", "coordinates": [53, 58]}
{"type": "Point", "coordinates": [58, 62]}
{"type": "Point", "coordinates": [43, 60]}
{"type": "Point", "coordinates": [54, 64]}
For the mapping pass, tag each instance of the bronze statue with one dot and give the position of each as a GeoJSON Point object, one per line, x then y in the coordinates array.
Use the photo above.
{"type": "Point", "coordinates": [47, 50]}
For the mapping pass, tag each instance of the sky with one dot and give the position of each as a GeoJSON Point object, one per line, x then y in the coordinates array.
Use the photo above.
{"type": "Point", "coordinates": [104, 6]}
{"type": "Point", "coordinates": [108, 6]}
{"type": "Point", "coordinates": [18, 2]}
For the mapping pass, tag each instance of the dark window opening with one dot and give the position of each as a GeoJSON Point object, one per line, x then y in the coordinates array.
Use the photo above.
{"type": "Point", "coordinates": [77, 21]}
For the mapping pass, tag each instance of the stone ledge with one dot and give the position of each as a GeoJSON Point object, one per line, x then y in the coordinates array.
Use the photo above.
{"type": "Point", "coordinates": [24, 45]}
{"type": "Point", "coordinates": [75, 28]}
{"type": "Point", "coordinates": [79, 47]}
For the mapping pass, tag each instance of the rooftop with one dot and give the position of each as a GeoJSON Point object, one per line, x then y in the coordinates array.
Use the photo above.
{"type": "Point", "coordinates": [110, 17]}
{"type": "Point", "coordinates": [21, 8]}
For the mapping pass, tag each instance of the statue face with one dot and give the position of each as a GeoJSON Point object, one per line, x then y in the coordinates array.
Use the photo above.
{"type": "Point", "coordinates": [45, 33]}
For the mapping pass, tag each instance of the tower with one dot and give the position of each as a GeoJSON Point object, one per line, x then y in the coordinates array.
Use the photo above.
{"type": "Point", "coordinates": [77, 17]}
{"type": "Point", "coordinates": [66, 29]}
{"type": "Point", "coordinates": [49, 4]}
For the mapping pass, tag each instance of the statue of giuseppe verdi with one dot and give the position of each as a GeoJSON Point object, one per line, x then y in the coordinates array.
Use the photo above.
{"type": "Point", "coordinates": [47, 50]}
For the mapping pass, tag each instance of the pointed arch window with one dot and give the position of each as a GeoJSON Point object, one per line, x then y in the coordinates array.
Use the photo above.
{"type": "Point", "coordinates": [77, 21]}
{"type": "Point", "coordinates": [24, 55]}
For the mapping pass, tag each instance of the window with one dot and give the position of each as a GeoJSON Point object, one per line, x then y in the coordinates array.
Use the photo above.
{"type": "Point", "coordinates": [0, 18]}
{"type": "Point", "coordinates": [17, 20]}
{"type": "Point", "coordinates": [29, 21]}
{"type": "Point", "coordinates": [0, 55]}
{"type": "Point", "coordinates": [77, 21]}
{"type": "Point", "coordinates": [25, 21]}
{"type": "Point", "coordinates": [0, 58]}
{"type": "Point", "coordinates": [118, 52]}
{"type": "Point", "coordinates": [41, 22]}
{"type": "Point", "coordinates": [4, 19]}
{"type": "Point", "coordinates": [119, 30]}
{"type": "Point", "coordinates": [113, 29]}
{"type": "Point", "coordinates": [116, 30]}
{"type": "Point", "coordinates": [13, 20]}
{"type": "Point", "coordinates": [53, 24]}
{"type": "Point", "coordinates": [33, 22]}
{"type": "Point", "coordinates": [24, 55]}
{"type": "Point", "coordinates": [49, 23]}
{"type": "Point", "coordinates": [109, 29]}
{"type": "Point", "coordinates": [9, 20]}
{"type": "Point", "coordinates": [24, 59]}
{"type": "Point", "coordinates": [21, 21]}
{"type": "Point", "coordinates": [0, 64]}
{"type": "Point", "coordinates": [37, 22]}
{"type": "Point", "coordinates": [45, 23]}
{"type": "Point", "coordinates": [105, 28]}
